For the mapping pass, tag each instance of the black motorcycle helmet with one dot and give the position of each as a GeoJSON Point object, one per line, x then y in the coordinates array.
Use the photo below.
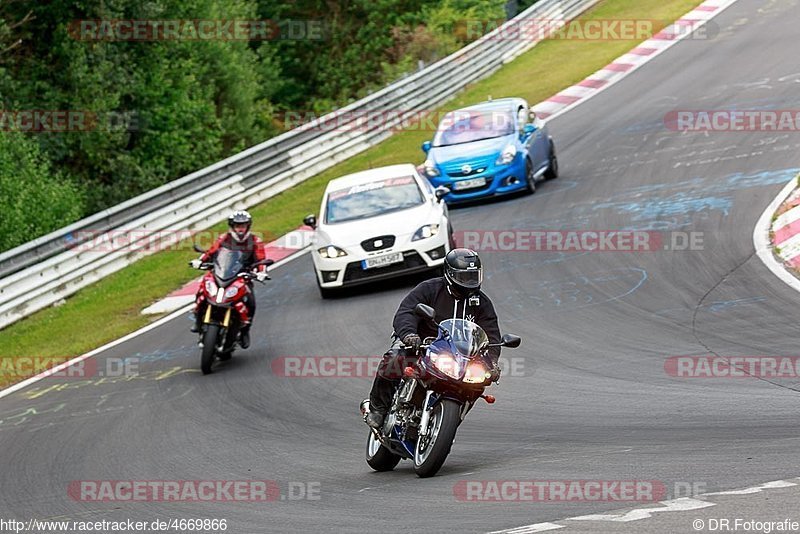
{"type": "Point", "coordinates": [238, 218]}
{"type": "Point", "coordinates": [463, 272]}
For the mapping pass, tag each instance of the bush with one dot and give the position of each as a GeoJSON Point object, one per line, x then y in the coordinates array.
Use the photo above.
{"type": "Point", "coordinates": [36, 200]}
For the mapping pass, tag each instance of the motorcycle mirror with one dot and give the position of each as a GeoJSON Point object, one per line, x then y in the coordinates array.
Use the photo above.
{"type": "Point", "coordinates": [424, 311]}
{"type": "Point", "coordinates": [266, 262]}
{"type": "Point", "coordinates": [197, 248]}
{"type": "Point", "coordinates": [511, 341]}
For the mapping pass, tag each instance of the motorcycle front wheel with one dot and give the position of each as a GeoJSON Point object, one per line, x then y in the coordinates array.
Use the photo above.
{"type": "Point", "coordinates": [209, 348]}
{"type": "Point", "coordinates": [379, 457]}
{"type": "Point", "coordinates": [432, 450]}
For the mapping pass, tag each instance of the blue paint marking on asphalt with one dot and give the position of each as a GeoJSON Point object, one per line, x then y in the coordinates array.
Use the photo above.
{"type": "Point", "coordinates": [160, 355]}
{"type": "Point", "coordinates": [759, 179]}
{"type": "Point", "coordinates": [578, 292]}
{"type": "Point", "coordinates": [676, 204]}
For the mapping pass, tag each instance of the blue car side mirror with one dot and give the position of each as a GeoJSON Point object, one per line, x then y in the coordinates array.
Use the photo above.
{"type": "Point", "coordinates": [426, 146]}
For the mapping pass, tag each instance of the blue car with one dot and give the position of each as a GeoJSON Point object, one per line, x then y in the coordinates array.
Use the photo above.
{"type": "Point", "coordinates": [490, 149]}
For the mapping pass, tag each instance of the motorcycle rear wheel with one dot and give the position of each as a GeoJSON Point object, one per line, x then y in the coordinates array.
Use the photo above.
{"type": "Point", "coordinates": [379, 457]}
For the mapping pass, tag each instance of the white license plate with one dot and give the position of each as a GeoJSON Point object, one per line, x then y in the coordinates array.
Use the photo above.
{"type": "Point", "coordinates": [469, 184]}
{"type": "Point", "coordinates": [382, 261]}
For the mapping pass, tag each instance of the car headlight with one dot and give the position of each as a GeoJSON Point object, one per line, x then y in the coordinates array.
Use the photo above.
{"type": "Point", "coordinates": [331, 252]}
{"type": "Point", "coordinates": [446, 364]}
{"type": "Point", "coordinates": [507, 156]}
{"type": "Point", "coordinates": [430, 168]}
{"type": "Point", "coordinates": [476, 373]}
{"type": "Point", "coordinates": [231, 292]}
{"type": "Point", "coordinates": [211, 287]}
{"type": "Point", "coordinates": [429, 230]}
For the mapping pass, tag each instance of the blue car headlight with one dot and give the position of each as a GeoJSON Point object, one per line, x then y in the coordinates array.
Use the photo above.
{"type": "Point", "coordinates": [507, 156]}
{"type": "Point", "coordinates": [430, 168]}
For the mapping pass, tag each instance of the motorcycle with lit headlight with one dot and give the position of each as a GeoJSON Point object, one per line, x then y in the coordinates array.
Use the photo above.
{"type": "Point", "coordinates": [224, 287]}
{"type": "Point", "coordinates": [434, 396]}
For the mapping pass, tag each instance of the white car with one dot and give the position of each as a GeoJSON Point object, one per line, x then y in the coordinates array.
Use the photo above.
{"type": "Point", "coordinates": [378, 224]}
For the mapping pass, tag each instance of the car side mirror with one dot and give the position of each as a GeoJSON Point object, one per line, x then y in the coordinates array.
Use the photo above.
{"type": "Point", "coordinates": [426, 146]}
{"type": "Point", "coordinates": [311, 220]}
{"type": "Point", "coordinates": [424, 311]}
{"type": "Point", "coordinates": [511, 341]}
{"type": "Point", "coordinates": [441, 192]}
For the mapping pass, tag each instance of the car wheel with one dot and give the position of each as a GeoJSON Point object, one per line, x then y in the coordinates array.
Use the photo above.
{"type": "Point", "coordinates": [530, 179]}
{"type": "Point", "coordinates": [552, 170]}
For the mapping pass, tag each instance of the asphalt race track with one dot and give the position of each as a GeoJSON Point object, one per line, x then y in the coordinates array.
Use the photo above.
{"type": "Point", "coordinates": [594, 403]}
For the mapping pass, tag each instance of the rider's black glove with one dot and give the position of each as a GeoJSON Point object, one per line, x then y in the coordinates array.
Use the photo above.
{"type": "Point", "coordinates": [412, 341]}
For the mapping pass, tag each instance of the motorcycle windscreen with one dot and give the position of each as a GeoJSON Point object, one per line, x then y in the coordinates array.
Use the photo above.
{"type": "Point", "coordinates": [228, 264]}
{"type": "Point", "coordinates": [468, 338]}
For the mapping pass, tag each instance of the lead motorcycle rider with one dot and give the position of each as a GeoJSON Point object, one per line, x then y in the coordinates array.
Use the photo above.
{"type": "Point", "coordinates": [455, 295]}
{"type": "Point", "coordinates": [240, 239]}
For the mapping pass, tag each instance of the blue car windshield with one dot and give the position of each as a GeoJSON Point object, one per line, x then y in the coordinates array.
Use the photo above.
{"type": "Point", "coordinates": [372, 199]}
{"type": "Point", "coordinates": [460, 127]}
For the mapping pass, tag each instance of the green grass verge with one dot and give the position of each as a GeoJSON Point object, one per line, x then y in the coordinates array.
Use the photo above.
{"type": "Point", "coordinates": [110, 308]}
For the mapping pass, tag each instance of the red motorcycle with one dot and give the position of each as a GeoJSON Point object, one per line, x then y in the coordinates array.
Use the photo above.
{"type": "Point", "coordinates": [224, 288]}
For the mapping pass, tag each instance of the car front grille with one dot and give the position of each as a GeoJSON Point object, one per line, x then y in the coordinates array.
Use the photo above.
{"type": "Point", "coordinates": [386, 241]}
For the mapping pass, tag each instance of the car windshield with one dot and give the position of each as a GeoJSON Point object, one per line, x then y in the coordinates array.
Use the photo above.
{"type": "Point", "coordinates": [468, 337]}
{"type": "Point", "coordinates": [371, 199]}
{"type": "Point", "coordinates": [466, 127]}
{"type": "Point", "coordinates": [228, 263]}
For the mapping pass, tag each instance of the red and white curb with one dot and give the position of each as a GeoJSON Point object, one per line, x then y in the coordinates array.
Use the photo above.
{"type": "Point", "coordinates": [628, 63]}
{"type": "Point", "coordinates": [280, 249]}
{"type": "Point", "coordinates": [777, 234]}
{"type": "Point", "coordinates": [786, 230]}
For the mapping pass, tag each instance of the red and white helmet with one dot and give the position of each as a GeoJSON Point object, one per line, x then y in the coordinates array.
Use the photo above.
{"type": "Point", "coordinates": [237, 218]}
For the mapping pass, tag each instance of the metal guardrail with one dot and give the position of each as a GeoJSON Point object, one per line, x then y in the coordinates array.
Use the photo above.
{"type": "Point", "coordinates": [52, 267]}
